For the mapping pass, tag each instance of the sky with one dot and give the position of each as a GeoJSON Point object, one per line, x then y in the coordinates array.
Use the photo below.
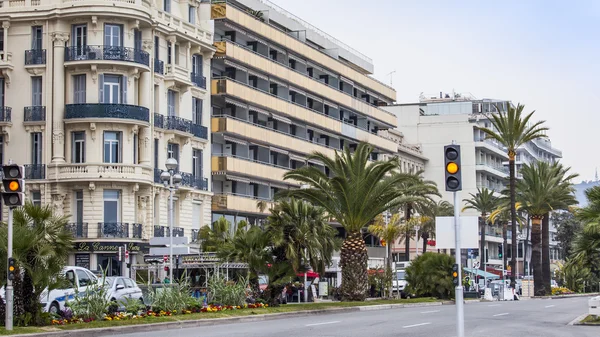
{"type": "Point", "coordinates": [544, 54]}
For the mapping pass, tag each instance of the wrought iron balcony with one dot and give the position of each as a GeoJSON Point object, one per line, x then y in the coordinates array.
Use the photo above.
{"type": "Point", "coordinates": [180, 124]}
{"type": "Point", "coordinates": [159, 67]}
{"type": "Point", "coordinates": [113, 230]}
{"type": "Point", "coordinates": [199, 131]}
{"type": "Point", "coordinates": [157, 173]}
{"type": "Point", "coordinates": [190, 180]}
{"type": "Point", "coordinates": [107, 53]}
{"type": "Point", "coordinates": [35, 171]}
{"type": "Point", "coordinates": [35, 114]}
{"type": "Point", "coordinates": [5, 113]}
{"type": "Point", "coordinates": [163, 231]}
{"type": "Point", "coordinates": [35, 57]}
{"type": "Point", "coordinates": [136, 230]}
{"type": "Point", "coordinates": [104, 110]}
{"type": "Point", "coordinates": [198, 80]}
{"type": "Point", "coordinates": [78, 229]}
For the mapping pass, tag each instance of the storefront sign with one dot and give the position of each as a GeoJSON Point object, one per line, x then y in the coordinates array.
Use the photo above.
{"type": "Point", "coordinates": [132, 247]}
{"type": "Point", "coordinates": [82, 260]}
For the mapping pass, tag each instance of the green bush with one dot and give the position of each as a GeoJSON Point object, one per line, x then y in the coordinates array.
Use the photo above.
{"type": "Point", "coordinates": [93, 303]}
{"type": "Point", "coordinates": [132, 305]}
{"type": "Point", "coordinates": [174, 297]}
{"type": "Point", "coordinates": [227, 292]}
{"type": "Point", "coordinates": [430, 275]}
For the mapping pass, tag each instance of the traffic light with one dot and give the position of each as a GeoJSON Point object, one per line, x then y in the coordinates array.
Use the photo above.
{"type": "Point", "coordinates": [11, 268]}
{"type": "Point", "coordinates": [14, 185]}
{"type": "Point", "coordinates": [500, 251]}
{"type": "Point", "coordinates": [452, 168]}
{"type": "Point", "coordinates": [455, 274]}
{"type": "Point", "coordinates": [487, 257]}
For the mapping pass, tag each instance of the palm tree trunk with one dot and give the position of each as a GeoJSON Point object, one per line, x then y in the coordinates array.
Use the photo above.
{"type": "Point", "coordinates": [546, 253]}
{"type": "Point", "coordinates": [389, 266]}
{"type": "Point", "coordinates": [482, 241]}
{"type": "Point", "coordinates": [536, 258]}
{"type": "Point", "coordinates": [526, 243]}
{"type": "Point", "coordinates": [504, 246]}
{"type": "Point", "coordinates": [407, 240]}
{"type": "Point", "coordinates": [425, 237]}
{"type": "Point", "coordinates": [353, 261]}
{"type": "Point", "coordinates": [513, 217]}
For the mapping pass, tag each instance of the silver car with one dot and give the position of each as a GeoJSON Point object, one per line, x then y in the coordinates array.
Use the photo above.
{"type": "Point", "coordinates": [120, 288]}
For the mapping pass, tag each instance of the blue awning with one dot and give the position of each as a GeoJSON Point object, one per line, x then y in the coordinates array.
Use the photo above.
{"type": "Point", "coordinates": [482, 273]}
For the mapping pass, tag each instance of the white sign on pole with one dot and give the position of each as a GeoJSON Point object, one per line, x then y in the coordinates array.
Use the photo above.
{"type": "Point", "coordinates": [177, 250]}
{"type": "Point", "coordinates": [444, 232]}
{"type": "Point", "coordinates": [160, 241]}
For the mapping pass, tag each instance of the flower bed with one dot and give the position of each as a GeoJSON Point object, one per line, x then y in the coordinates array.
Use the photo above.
{"type": "Point", "coordinates": [561, 291]}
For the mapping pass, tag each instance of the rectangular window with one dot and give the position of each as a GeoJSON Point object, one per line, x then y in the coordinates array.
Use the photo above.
{"type": "Point", "coordinates": [1, 39]}
{"type": "Point", "coordinates": [79, 89]}
{"type": "Point", "coordinates": [196, 215]}
{"type": "Point", "coordinates": [79, 207]}
{"type": "Point", "coordinates": [112, 206]}
{"type": "Point", "coordinates": [169, 50]}
{"type": "Point", "coordinates": [36, 198]}
{"type": "Point", "coordinates": [112, 147]}
{"type": "Point", "coordinates": [112, 35]}
{"type": "Point", "coordinates": [197, 163]}
{"type": "Point", "coordinates": [79, 41]}
{"type": "Point", "coordinates": [167, 6]}
{"type": "Point", "coordinates": [197, 64]}
{"type": "Point", "coordinates": [155, 152]}
{"type": "Point", "coordinates": [196, 110]}
{"type": "Point", "coordinates": [36, 148]}
{"type": "Point", "coordinates": [36, 91]}
{"type": "Point", "coordinates": [78, 147]}
{"type": "Point", "coordinates": [173, 152]}
{"type": "Point", "coordinates": [36, 37]}
{"type": "Point", "coordinates": [135, 149]}
{"type": "Point", "coordinates": [192, 14]}
{"type": "Point", "coordinates": [171, 99]}
{"type": "Point", "coordinates": [156, 47]}
{"type": "Point", "coordinates": [113, 89]}
{"type": "Point", "coordinates": [177, 54]}
{"type": "Point", "coordinates": [2, 94]}
{"type": "Point", "coordinates": [137, 39]}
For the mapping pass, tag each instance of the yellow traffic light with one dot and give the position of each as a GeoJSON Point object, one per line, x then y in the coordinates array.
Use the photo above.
{"type": "Point", "coordinates": [452, 168]}
{"type": "Point", "coordinates": [11, 268]}
{"type": "Point", "coordinates": [13, 186]}
{"type": "Point", "coordinates": [454, 274]}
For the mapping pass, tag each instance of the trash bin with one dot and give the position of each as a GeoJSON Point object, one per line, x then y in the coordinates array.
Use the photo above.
{"type": "Point", "coordinates": [594, 306]}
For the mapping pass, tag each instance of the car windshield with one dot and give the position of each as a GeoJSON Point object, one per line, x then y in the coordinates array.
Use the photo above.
{"type": "Point", "coordinates": [401, 275]}
{"type": "Point", "coordinates": [109, 281]}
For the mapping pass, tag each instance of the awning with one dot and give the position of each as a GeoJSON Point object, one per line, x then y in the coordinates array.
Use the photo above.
{"type": "Point", "coordinates": [331, 105]}
{"type": "Point", "coordinates": [297, 157]}
{"type": "Point", "coordinates": [482, 273]}
{"type": "Point", "coordinates": [342, 78]}
{"type": "Point", "coordinates": [296, 58]}
{"type": "Point", "coordinates": [235, 65]}
{"type": "Point", "coordinates": [316, 162]}
{"type": "Point", "coordinates": [232, 27]}
{"type": "Point", "coordinates": [253, 37]}
{"type": "Point", "coordinates": [277, 49]}
{"type": "Point", "coordinates": [238, 179]}
{"type": "Point", "coordinates": [314, 98]}
{"type": "Point", "coordinates": [312, 65]}
{"type": "Point", "coordinates": [236, 103]}
{"type": "Point", "coordinates": [274, 149]}
{"type": "Point", "coordinates": [259, 75]}
{"type": "Point", "coordinates": [297, 90]}
{"type": "Point", "coordinates": [259, 110]}
{"type": "Point", "coordinates": [278, 82]}
{"type": "Point", "coordinates": [329, 73]}
{"type": "Point", "coordinates": [281, 186]}
{"type": "Point", "coordinates": [281, 119]}
{"type": "Point", "coordinates": [235, 140]}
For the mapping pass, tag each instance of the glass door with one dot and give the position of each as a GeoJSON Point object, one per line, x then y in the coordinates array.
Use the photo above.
{"type": "Point", "coordinates": [109, 263]}
{"type": "Point", "coordinates": [79, 40]}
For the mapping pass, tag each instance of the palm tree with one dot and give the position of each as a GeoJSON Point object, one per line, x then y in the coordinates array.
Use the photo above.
{"type": "Point", "coordinates": [483, 202]}
{"type": "Point", "coordinates": [214, 237]}
{"type": "Point", "coordinates": [441, 208]}
{"type": "Point", "coordinates": [389, 232]}
{"type": "Point", "coordinates": [354, 193]}
{"type": "Point", "coordinates": [501, 216]}
{"type": "Point", "coordinates": [512, 129]}
{"type": "Point", "coordinates": [41, 245]}
{"type": "Point", "coordinates": [587, 243]}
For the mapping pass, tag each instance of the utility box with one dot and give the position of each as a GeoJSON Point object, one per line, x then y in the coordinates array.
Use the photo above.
{"type": "Point", "coordinates": [594, 306]}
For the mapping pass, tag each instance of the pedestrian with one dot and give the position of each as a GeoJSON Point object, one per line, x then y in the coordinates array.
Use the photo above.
{"type": "Point", "coordinates": [166, 280]}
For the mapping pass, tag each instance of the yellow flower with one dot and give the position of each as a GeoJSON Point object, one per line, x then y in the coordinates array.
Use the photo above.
{"type": "Point", "coordinates": [108, 318]}
{"type": "Point", "coordinates": [266, 305]}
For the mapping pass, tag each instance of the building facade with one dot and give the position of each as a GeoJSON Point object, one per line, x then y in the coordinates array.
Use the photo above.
{"type": "Point", "coordinates": [437, 121]}
{"type": "Point", "coordinates": [94, 97]}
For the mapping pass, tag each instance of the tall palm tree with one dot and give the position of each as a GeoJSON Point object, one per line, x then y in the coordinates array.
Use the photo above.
{"type": "Point", "coordinates": [440, 208]}
{"type": "Point", "coordinates": [354, 193]}
{"type": "Point", "coordinates": [512, 129]}
{"type": "Point", "coordinates": [501, 216]}
{"type": "Point", "coordinates": [216, 236]}
{"type": "Point", "coordinates": [389, 232]}
{"type": "Point", "coordinates": [483, 202]}
{"type": "Point", "coordinates": [587, 243]}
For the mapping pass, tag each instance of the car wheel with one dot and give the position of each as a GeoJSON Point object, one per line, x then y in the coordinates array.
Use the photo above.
{"type": "Point", "coordinates": [54, 309]}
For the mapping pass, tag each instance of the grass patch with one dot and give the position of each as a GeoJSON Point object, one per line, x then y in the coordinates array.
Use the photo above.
{"type": "Point", "coordinates": [221, 314]}
{"type": "Point", "coordinates": [591, 319]}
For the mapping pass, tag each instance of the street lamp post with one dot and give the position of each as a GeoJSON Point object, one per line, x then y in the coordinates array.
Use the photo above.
{"type": "Point", "coordinates": [171, 179]}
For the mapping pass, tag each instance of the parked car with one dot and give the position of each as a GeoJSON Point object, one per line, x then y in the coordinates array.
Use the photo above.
{"type": "Point", "coordinates": [79, 279]}
{"type": "Point", "coordinates": [120, 288]}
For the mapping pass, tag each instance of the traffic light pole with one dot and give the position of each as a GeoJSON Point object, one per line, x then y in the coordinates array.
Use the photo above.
{"type": "Point", "coordinates": [9, 286]}
{"type": "Point", "coordinates": [458, 291]}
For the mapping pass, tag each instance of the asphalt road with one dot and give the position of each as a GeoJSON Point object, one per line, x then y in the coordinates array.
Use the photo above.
{"type": "Point", "coordinates": [531, 318]}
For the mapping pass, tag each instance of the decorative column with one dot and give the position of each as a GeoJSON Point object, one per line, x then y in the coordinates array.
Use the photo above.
{"type": "Point", "coordinates": [173, 40]}
{"type": "Point", "coordinates": [5, 26]}
{"type": "Point", "coordinates": [58, 134]}
{"type": "Point", "coordinates": [144, 144]}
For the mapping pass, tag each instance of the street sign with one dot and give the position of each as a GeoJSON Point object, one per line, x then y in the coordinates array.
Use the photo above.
{"type": "Point", "coordinates": [120, 253]}
{"type": "Point", "coordinates": [126, 255]}
{"type": "Point", "coordinates": [177, 240]}
{"type": "Point", "coordinates": [444, 232]}
{"type": "Point", "coordinates": [166, 258]}
{"type": "Point", "coordinates": [177, 250]}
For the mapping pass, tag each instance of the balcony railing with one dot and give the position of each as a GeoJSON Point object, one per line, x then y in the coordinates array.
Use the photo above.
{"type": "Point", "coordinates": [113, 230]}
{"type": "Point", "coordinates": [35, 171]}
{"type": "Point", "coordinates": [136, 230]}
{"type": "Point", "coordinates": [5, 113]}
{"type": "Point", "coordinates": [35, 114]}
{"type": "Point", "coordinates": [78, 229]}
{"type": "Point", "coordinates": [195, 235]}
{"type": "Point", "coordinates": [163, 231]}
{"type": "Point", "coordinates": [198, 80]}
{"type": "Point", "coordinates": [104, 110]}
{"type": "Point", "coordinates": [188, 180]}
{"type": "Point", "coordinates": [159, 67]}
{"type": "Point", "coordinates": [35, 57]}
{"type": "Point", "coordinates": [180, 124]}
{"type": "Point", "coordinates": [107, 53]}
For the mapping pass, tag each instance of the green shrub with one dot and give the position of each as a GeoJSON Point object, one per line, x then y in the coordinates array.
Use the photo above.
{"type": "Point", "coordinates": [430, 275]}
{"type": "Point", "coordinates": [132, 305]}
{"type": "Point", "coordinates": [93, 303]}
{"type": "Point", "coordinates": [174, 297]}
{"type": "Point", "coordinates": [227, 292]}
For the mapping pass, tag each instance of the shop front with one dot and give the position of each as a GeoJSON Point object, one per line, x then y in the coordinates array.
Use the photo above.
{"type": "Point", "coordinates": [101, 256]}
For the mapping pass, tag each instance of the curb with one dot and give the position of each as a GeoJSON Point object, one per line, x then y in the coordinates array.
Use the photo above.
{"type": "Point", "coordinates": [563, 296]}
{"type": "Point", "coordinates": [98, 332]}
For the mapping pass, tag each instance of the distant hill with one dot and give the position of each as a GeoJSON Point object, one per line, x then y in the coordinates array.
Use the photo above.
{"type": "Point", "coordinates": [580, 191]}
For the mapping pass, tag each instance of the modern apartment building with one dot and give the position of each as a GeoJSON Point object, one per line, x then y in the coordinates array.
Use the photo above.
{"type": "Point", "coordinates": [94, 97]}
{"type": "Point", "coordinates": [438, 120]}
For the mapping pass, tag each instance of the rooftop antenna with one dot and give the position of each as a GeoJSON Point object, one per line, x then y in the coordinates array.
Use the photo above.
{"type": "Point", "coordinates": [390, 74]}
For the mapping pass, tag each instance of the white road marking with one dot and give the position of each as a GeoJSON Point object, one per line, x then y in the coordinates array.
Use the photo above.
{"type": "Point", "coordinates": [550, 306]}
{"type": "Point", "coordinates": [429, 312]}
{"type": "Point", "coordinates": [323, 323]}
{"type": "Point", "coordinates": [415, 325]}
{"type": "Point", "coordinates": [494, 305]}
{"type": "Point", "coordinates": [502, 314]}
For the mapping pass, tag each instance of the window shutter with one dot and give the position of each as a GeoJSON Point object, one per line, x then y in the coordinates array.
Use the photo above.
{"type": "Point", "coordinates": [124, 88]}
{"type": "Point", "coordinates": [194, 110]}
{"type": "Point", "coordinates": [100, 88]}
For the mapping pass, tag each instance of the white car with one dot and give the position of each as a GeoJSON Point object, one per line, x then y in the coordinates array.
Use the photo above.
{"type": "Point", "coordinates": [399, 283]}
{"type": "Point", "coordinates": [80, 278]}
{"type": "Point", "coordinates": [119, 288]}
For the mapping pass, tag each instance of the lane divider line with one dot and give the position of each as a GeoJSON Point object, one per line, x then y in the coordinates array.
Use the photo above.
{"type": "Point", "coordinates": [502, 314]}
{"type": "Point", "coordinates": [415, 325]}
{"type": "Point", "coordinates": [323, 323]}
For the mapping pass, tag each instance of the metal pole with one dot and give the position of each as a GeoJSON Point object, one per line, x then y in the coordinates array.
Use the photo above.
{"type": "Point", "coordinates": [417, 239]}
{"type": "Point", "coordinates": [9, 286]}
{"type": "Point", "coordinates": [305, 280]}
{"type": "Point", "coordinates": [460, 315]}
{"type": "Point", "coordinates": [171, 220]}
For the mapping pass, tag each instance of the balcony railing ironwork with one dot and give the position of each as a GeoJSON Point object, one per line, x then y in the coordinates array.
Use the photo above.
{"type": "Point", "coordinates": [35, 57]}
{"type": "Point", "coordinates": [78, 229]}
{"type": "Point", "coordinates": [107, 53]}
{"type": "Point", "coordinates": [198, 80]}
{"type": "Point", "coordinates": [5, 113]}
{"type": "Point", "coordinates": [163, 231]}
{"type": "Point", "coordinates": [113, 230]}
{"type": "Point", "coordinates": [159, 67]}
{"type": "Point", "coordinates": [35, 171]}
{"type": "Point", "coordinates": [105, 110]}
{"type": "Point", "coordinates": [180, 124]}
{"type": "Point", "coordinates": [136, 230]}
{"type": "Point", "coordinates": [35, 114]}
{"type": "Point", "coordinates": [187, 180]}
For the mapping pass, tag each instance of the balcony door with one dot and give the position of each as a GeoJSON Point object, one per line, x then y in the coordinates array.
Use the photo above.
{"type": "Point", "coordinates": [112, 36]}
{"type": "Point", "coordinates": [36, 37]}
{"type": "Point", "coordinates": [79, 41]}
{"type": "Point", "coordinates": [197, 111]}
{"type": "Point", "coordinates": [36, 148]}
{"type": "Point", "coordinates": [197, 64]}
{"type": "Point", "coordinates": [112, 89]}
{"type": "Point", "coordinates": [1, 93]}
